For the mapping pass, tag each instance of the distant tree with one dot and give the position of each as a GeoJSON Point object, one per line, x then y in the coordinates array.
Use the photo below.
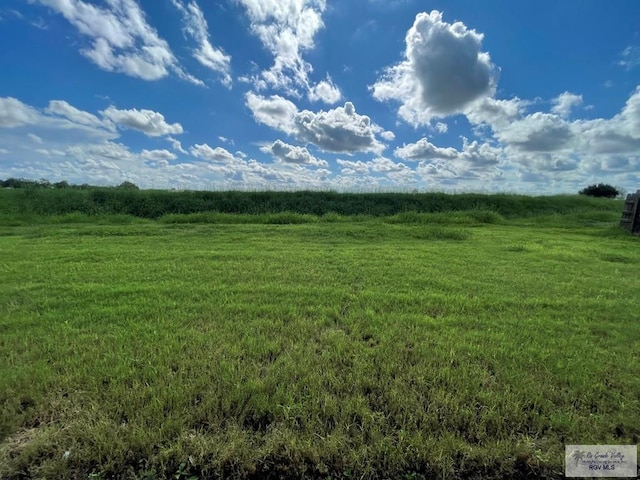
{"type": "Point", "coordinates": [62, 184]}
{"type": "Point", "coordinates": [128, 186]}
{"type": "Point", "coordinates": [18, 183]}
{"type": "Point", "coordinates": [600, 190]}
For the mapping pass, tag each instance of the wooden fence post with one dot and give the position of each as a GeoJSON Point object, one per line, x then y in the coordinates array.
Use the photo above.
{"type": "Point", "coordinates": [630, 219]}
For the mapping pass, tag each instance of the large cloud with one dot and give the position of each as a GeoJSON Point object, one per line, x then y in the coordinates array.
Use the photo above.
{"type": "Point", "coordinates": [293, 154]}
{"type": "Point", "coordinates": [547, 142]}
{"type": "Point", "coordinates": [538, 132]}
{"type": "Point", "coordinates": [287, 29]}
{"type": "Point", "coordinates": [217, 154]}
{"type": "Point", "coordinates": [340, 130]}
{"type": "Point", "coordinates": [480, 155]}
{"type": "Point", "coordinates": [208, 55]}
{"type": "Point", "coordinates": [527, 135]}
{"type": "Point", "coordinates": [385, 165]}
{"type": "Point", "coordinates": [474, 155]}
{"type": "Point", "coordinates": [496, 114]}
{"type": "Point", "coordinates": [121, 39]}
{"type": "Point", "coordinates": [475, 166]}
{"type": "Point", "coordinates": [56, 122]}
{"type": "Point", "coordinates": [14, 113]}
{"type": "Point", "coordinates": [444, 71]}
{"type": "Point", "coordinates": [629, 118]}
{"type": "Point", "coordinates": [424, 150]}
{"type": "Point", "coordinates": [158, 155]}
{"type": "Point", "coordinates": [372, 174]}
{"type": "Point", "coordinates": [275, 111]}
{"type": "Point", "coordinates": [64, 109]}
{"type": "Point", "coordinates": [100, 152]}
{"type": "Point", "coordinates": [350, 167]}
{"type": "Point", "coordinates": [619, 135]}
{"type": "Point", "coordinates": [148, 122]}
{"type": "Point", "coordinates": [396, 174]}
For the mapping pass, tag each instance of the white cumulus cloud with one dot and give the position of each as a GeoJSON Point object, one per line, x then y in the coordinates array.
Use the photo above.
{"type": "Point", "coordinates": [218, 154]}
{"type": "Point", "coordinates": [274, 111]}
{"type": "Point", "coordinates": [388, 135]}
{"type": "Point", "coordinates": [565, 102]}
{"type": "Point", "coordinates": [353, 168]}
{"type": "Point", "coordinates": [385, 165]}
{"type": "Point", "coordinates": [538, 132]}
{"type": "Point", "coordinates": [148, 122]}
{"type": "Point", "coordinates": [176, 145]}
{"type": "Point", "coordinates": [293, 154]}
{"type": "Point", "coordinates": [424, 150]}
{"type": "Point", "coordinates": [48, 124]}
{"type": "Point", "coordinates": [14, 113]}
{"type": "Point", "coordinates": [444, 71]}
{"type": "Point", "coordinates": [340, 130]}
{"type": "Point", "coordinates": [64, 109]}
{"type": "Point", "coordinates": [325, 91]}
{"type": "Point", "coordinates": [158, 155]}
{"type": "Point", "coordinates": [497, 114]}
{"type": "Point", "coordinates": [474, 155]}
{"type": "Point", "coordinates": [480, 155]}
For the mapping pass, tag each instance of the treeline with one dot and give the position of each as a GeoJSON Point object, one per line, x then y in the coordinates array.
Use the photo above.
{"type": "Point", "coordinates": [23, 183]}
{"type": "Point", "coordinates": [156, 203]}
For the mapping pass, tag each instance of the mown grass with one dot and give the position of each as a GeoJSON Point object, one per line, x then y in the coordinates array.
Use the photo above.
{"type": "Point", "coordinates": [421, 345]}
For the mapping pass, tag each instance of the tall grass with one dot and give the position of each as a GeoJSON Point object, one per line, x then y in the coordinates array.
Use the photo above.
{"type": "Point", "coordinates": [157, 203]}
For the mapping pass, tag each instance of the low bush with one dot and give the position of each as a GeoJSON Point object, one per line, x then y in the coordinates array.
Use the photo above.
{"type": "Point", "coordinates": [600, 190]}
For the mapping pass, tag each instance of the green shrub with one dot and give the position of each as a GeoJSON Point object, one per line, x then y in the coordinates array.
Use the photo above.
{"type": "Point", "coordinates": [600, 190]}
{"type": "Point", "coordinates": [128, 186]}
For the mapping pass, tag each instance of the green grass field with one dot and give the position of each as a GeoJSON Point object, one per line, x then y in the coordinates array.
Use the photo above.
{"type": "Point", "coordinates": [444, 345]}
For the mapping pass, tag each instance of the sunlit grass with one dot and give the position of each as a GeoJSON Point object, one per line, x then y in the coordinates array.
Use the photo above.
{"type": "Point", "coordinates": [299, 346]}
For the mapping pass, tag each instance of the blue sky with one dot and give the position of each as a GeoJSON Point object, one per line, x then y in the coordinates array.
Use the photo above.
{"type": "Point", "coordinates": [352, 95]}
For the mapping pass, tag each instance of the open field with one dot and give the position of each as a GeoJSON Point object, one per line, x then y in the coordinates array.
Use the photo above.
{"type": "Point", "coordinates": [442, 345]}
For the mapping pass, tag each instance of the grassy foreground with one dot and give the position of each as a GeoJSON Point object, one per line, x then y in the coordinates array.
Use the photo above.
{"type": "Point", "coordinates": [413, 346]}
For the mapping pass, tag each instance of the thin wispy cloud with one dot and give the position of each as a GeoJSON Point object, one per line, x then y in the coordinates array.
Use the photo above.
{"type": "Point", "coordinates": [195, 25]}
{"type": "Point", "coordinates": [120, 39]}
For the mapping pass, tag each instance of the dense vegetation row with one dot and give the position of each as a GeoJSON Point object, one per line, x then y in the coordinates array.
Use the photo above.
{"type": "Point", "coordinates": [156, 203]}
